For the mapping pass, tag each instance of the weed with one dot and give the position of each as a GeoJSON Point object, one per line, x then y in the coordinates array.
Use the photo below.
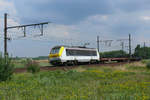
{"type": "Point", "coordinates": [32, 66]}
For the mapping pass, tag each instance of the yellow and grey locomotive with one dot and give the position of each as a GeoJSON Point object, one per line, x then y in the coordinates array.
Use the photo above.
{"type": "Point", "coordinates": [73, 55]}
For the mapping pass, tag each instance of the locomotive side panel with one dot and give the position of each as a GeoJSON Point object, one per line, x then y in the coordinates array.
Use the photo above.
{"type": "Point", "coordinates": [81, 55]}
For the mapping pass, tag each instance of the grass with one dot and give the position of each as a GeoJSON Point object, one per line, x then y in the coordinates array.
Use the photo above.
{"type": "Point", "coordinates": [20, 63]}
{"type": "Point", "coordinates": [42, 64]}
{"type": "Point", "coordinates": [126, 82]}
{"type": "Point", "coordinates": [145, 61]}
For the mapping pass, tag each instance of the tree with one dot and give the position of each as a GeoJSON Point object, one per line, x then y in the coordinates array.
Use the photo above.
{"type": "Point", "coordinates": [114, 54]}
{"type": "Point", "coordinates": [142, 52]}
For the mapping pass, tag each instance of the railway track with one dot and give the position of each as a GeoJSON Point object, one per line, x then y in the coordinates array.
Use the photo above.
{"type": "Point", "coordinates": [52, 68]}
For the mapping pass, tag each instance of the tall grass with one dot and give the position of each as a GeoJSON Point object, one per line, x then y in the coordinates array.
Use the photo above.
{"type": "Point", "coordinates": [32, 66]}
{"type": "Point", "coordinates": [6, 68]}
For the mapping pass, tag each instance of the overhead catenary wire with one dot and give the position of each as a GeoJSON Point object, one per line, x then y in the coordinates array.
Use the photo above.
{"type": "Point", "coordinates": [6, 27]}
{"type": "Point", "coordinates": [73, 41]}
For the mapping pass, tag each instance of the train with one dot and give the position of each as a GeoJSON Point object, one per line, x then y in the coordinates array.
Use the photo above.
{"type": "Point", "coordinates": [75, 55]}
{"type": "Point", "coordinates": [72, 55]}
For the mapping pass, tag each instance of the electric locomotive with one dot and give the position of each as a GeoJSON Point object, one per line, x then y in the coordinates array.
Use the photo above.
{"type": "Point", "coordinates": [70, 55]}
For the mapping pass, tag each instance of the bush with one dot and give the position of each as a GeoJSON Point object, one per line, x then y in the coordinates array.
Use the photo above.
{"type": "Point", "coordinates": [148, 65]}
{"type": "Point", "coordinates": [6, 68]}
{"type": "Point", "coordinates": [32, 66]}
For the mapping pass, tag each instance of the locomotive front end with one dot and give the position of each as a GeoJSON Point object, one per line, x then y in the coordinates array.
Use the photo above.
{"type": "Point", "coordinates": [55, 55]}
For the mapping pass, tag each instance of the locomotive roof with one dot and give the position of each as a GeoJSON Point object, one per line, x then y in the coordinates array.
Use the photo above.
{"type": "Point", "coordinates": [73, 47]}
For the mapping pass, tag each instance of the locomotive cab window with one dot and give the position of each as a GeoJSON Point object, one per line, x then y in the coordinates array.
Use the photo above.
{"type": "Point", "coordinates": [55, 50]}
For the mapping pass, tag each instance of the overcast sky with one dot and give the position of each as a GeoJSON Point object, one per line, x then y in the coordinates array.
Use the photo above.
{"type": "Point", "coordinates": [74, 22]}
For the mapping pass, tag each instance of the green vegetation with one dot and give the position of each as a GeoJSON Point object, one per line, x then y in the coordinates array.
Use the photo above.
{"type": "Point", "coordinates": [42, 64]}
{"type": "Point", "coordinates": [128, 82]}
{"type": "Point", "coordinates": [6, 68]}
{"type": "Point", "coordinates": [34, 58]}
{"type": "Point", "coordinates": [148, 65]}
{"type": "Point", "coordinates": [142, 52]}
{"type": "Point", "coordinates": [40, 58]}
{"type": "Point", "coordinates": [145, 61]}
{"type": "Point", "coordinates": [22, 62]}
{"type": "Point", "coordinates": [32, 66]}
{"type": "Point", "coordinates": [19, 63]}
{"type": "Point", "coordinates": [114, 54]}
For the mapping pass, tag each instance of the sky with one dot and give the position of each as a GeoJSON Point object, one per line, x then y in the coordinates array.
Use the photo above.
{"type": "Point", "coordinates": [74, 22]}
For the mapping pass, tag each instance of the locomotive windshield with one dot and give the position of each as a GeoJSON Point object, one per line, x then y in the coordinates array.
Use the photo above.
{"type": "Point", "coordinates": [55, 50]}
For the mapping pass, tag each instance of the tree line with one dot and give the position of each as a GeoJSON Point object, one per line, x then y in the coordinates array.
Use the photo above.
{"type": "Point", "coordinates": [142, 52]}
{"type": "Point", "coordinates": [139, 52]}
{"type": "Point", "coordinates": [114, 54]}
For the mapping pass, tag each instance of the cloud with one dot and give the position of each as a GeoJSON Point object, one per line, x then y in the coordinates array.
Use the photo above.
{"type": "Point", "coordinates": [132, 5]}
{"type": "Point", "coordinates": [7, 7]}
{"type": "Point", "coordinates": [65, 11]}
{"type": "Point", "coordinates": [59, 31]}
{"type": "Point", "coordinates": [72, 12]}
{"type": "Point", "coordinates": [114, 26]}
{"type": "Point", "coordinates": [146, 18]}
{"type": "Point", "coordinates": [12, 22]}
